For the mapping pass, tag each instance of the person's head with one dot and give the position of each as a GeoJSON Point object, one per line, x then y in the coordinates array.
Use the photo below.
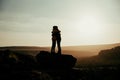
{"type": "Point", "coordinates": [55, 27]}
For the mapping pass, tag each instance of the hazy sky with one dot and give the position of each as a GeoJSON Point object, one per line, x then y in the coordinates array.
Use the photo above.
{"type": "Point", "coordinates": [82, 22]}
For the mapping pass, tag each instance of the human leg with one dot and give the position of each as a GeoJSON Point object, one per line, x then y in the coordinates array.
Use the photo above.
{"type": "Point", "coordinates": [53, 46]}
{"type": "Point", "coordinates": [59, 47]}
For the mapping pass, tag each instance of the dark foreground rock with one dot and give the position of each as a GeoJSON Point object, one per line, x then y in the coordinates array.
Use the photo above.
{"type": "Point", "coordinates": [44, 66]}
{"type": "Point", "coordinates": [56, 61]}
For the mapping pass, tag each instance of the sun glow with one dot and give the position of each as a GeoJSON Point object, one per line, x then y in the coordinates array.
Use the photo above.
{"type": "Point", "coordinates": [90, 29]}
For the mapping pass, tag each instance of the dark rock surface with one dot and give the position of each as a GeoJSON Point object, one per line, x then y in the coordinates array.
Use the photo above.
{"type": "Point", "coordinates": [45, 66]}
{"type": "Point", "coordinates": [48, 60]}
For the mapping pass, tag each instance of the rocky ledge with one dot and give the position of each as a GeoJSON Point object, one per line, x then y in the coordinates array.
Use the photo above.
{"type": "Point", "coordinates": [54, 60]}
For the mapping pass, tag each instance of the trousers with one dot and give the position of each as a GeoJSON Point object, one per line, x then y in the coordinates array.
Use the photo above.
{"type": "Point", "coordinates": [54, 45]}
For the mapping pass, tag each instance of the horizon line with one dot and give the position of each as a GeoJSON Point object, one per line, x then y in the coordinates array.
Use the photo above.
{"type": "Point", "coordinates": [61, 46]}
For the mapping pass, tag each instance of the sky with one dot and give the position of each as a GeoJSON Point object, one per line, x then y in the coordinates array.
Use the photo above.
{"type": "Point", "coordinates": [82, 22]}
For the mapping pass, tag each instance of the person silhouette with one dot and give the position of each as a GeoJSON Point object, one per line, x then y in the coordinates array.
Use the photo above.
{"type": "Point", "coordinates": [56, 37]}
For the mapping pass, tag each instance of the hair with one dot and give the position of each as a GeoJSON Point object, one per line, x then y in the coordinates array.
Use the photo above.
{"type": "Point", "coordinates": [55, 27]}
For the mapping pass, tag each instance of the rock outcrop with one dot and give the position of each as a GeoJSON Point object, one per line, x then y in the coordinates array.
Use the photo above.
{"type": "Point", "coordinates": [57, 61]}
{"type": "Point", "coordinates": [113, 53]}
{"type": "Point", "coordinates": [45, 66]}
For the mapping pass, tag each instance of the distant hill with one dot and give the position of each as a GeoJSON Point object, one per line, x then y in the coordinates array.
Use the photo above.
{"type": "Point", "coordinates": [87, 50]}
{"type": "Point", "coordinates": [76, 51]}
{"type": "Point", "coordinates": [23, 48]}
{"type": "Point", "coordinates": [110, 54]}
{"type": "Point", "coordinates": [31, 50]}
{"type": "Point", "coordinates": [105, 57]}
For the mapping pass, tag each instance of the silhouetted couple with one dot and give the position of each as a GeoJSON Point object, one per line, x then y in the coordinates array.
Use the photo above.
{"type": "Point", "coordinates": [56, 38]}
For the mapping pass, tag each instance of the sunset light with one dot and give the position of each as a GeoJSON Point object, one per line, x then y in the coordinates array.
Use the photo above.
{"type": "Point", "coordinates": [82, 22]}
{"type": "Point", "coordinates": [90, 26]}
